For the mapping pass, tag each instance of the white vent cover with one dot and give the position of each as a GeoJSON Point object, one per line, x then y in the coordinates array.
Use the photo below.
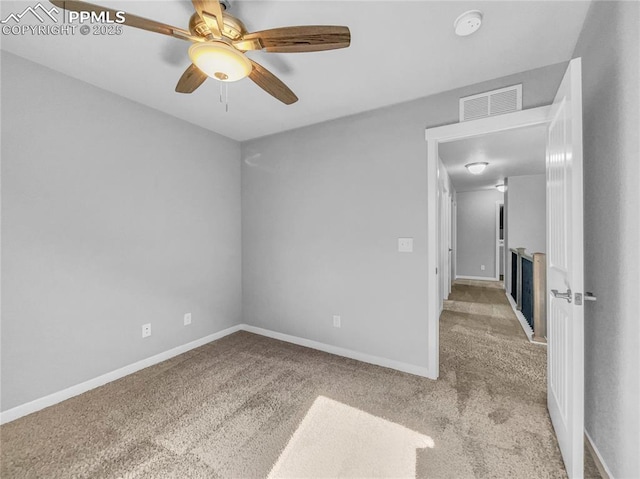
{"type": "Point", "coordinates": [496, 102]}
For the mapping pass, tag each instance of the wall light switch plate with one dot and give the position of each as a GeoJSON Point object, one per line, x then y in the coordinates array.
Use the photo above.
{"type": "Point", "coordinates": [187, 319]}
{"type": "Point", "coordinates": [336, 321]}
{"type": "Point", "coordinates": [405, 245]}
{"type": "Point", "coordinates": [146, 330]}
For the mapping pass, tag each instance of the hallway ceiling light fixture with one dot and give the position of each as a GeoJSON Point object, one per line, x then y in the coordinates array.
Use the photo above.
{"type": "Point", "coordinates": [468, 23]}
{"type": "Point", "coordinates": [477, 167]}
{"type": "Point", "coordinates": [501, 187]}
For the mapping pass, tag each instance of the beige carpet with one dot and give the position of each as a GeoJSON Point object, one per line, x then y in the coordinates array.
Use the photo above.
{"type": "Point", "coordinates": [336, 440]}
{"type": "Point", "coordinates": [247, 406]}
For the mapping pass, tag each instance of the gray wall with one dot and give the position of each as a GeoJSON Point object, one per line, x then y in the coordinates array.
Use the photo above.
{"type": "Point", "coordinates": [608, 46]}
{"type": "Point", "coordinates": [476, 232]}
{"type": "Point", "coordinates": [526, 216]}
{"type": "Point", "coordinates": [107, 225]}
{"type": "Point", "coordinates": [323, 207]}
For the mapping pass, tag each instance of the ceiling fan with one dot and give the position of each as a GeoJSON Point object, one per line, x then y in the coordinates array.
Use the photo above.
{"type": "Point", "coordinates": [221, 40]}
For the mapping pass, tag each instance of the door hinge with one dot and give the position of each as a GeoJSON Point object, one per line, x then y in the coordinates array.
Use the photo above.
{"type": "Point", "coordinates": [436, 270]}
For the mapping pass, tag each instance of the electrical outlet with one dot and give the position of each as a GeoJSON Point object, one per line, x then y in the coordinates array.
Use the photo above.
{"type": "Point", "coordinates": [146, 330]}
{"type": "Point", "coordinates": [336, 321]}
{"type": "Point", "coordinates": [405, 245]}
{"type": "Point", "coordinates": [481, 267]}
{"type": "Point", "coordinates": [187, 319]}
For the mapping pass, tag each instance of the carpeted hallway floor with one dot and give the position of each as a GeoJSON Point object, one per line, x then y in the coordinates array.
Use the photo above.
{"type": "Point", "coordinates": [229, 409]}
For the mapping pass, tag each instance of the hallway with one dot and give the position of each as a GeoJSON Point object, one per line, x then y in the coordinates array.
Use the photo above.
{"type": "Point", "coordinates": [501, 382]}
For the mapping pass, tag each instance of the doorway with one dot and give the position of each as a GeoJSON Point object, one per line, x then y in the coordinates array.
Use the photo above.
{"type": "Point", "coordinates": [564, 238]}
{"type": "Point", "coordinates": [444, 135]}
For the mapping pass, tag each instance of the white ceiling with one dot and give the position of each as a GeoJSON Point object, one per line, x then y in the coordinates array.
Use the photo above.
{"type": "Point", "coordinates": [509, 153]}
{"type": "Point", "coordinates": [400, 50]}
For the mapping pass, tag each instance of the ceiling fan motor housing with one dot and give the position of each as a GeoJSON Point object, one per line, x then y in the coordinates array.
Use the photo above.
{"type": "Point", "coordinates": [233, 28]}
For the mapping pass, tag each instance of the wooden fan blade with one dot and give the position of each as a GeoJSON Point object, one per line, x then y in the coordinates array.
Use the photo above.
{"type": "Point", "coordinates": [130, 20]}
{"type": "Point", "coordinates": [191, 79]}
{"type": "Point", "coordinates": [211, 12]}
{"type": "Point", "coordinates": [271, 84]}
{"type": "Point", "coordinates": [296, 39]}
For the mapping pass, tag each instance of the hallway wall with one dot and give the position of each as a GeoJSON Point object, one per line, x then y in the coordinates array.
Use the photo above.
{"type": "Point", "coordinates": [526, 211]}
{"type": "Point", "coordinates": [476, 233]}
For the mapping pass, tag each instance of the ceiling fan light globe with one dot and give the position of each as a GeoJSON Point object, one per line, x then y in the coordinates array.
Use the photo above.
{"type": "Point", "coordinates": [220, 61]}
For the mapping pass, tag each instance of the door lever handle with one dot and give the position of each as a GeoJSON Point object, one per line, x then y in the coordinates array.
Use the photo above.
{"type": "Point", "coordinates": [589, 297]}
{"type": "Point", "coordinates": [558, 295]}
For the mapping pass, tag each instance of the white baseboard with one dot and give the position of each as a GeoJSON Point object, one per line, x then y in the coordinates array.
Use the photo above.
{"type": "Point", "coordinates": [54, 398]}
{"type": "Point", "coordinates": [605, 472]}
{"type": "Point", "coordinates": [523, 321]}
{"type": "Point", "coordinates": [347, 353]}
{"type": "Point", "coordinates": [477, 278]}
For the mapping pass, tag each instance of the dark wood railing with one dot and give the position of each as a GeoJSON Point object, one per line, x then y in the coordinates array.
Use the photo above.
{"type": "Point", "coordinates": [528, 290]}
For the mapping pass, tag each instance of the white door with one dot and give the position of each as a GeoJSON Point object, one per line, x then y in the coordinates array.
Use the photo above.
{"type": "Point", "coordinates": [444, 200]}
{"type": "Point", "coordinates": [449, 246]}
{"type": "Point", "coordinates": [440, 258]}
{"type": "Point", "coordinates": [452, 252]}
{"type": "Point", "coordinates": [565, 365]}
{"type": "Point", "coordinates": [445, 242]}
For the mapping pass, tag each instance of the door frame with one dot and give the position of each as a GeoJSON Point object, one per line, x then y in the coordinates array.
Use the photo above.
{"type": "Point", "coordinates": [454, 239]}
{"type": "Point", "coordinates": [444, 134]}
{"type": "Point", "coordinates": [498, 205]}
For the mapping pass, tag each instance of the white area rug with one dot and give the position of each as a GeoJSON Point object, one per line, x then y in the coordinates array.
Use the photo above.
{"type": "Point", "coordinates": [336, 440]}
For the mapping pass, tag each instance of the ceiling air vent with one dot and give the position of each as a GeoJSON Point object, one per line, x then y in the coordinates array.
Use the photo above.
{"type": "Point", "coordinates": [496, 102]}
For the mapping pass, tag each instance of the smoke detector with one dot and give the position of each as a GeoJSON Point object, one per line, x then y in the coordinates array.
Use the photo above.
{"type": "Point", "coordinates": [468, 23]}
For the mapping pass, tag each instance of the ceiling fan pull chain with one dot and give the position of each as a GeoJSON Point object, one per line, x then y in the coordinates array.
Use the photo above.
{"type": "Point", "coordinates": [226, 97]}
{"type": "Point", "coordinates": [220, 92]}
